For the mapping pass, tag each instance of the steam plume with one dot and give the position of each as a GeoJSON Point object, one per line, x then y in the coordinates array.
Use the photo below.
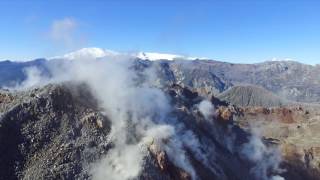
{"type": "Point", "coordinates": [137, 111]}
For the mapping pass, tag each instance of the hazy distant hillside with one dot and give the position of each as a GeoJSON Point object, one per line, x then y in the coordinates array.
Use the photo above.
{"type": "Point", "coordinates": [251, 96]}
{"type": "Point", "coordinates": [12, 73]}
{"type": "Point", "coordinates": [193, 74]}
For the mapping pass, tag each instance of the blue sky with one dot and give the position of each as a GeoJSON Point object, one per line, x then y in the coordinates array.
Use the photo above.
{"type": "Point", "coordinates": [240, 31]}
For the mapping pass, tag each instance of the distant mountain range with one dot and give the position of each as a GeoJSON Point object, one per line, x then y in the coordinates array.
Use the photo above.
{"type": "Point", "coordinates": [13, 73]}
{"type": "Point", "coordinates": [287, 79]}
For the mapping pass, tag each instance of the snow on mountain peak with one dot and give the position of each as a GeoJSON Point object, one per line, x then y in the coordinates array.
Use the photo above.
{"type": "Point", "coordinates": [88, 53]}
{"type": "Point", "coordinates": [94, 53]}
{"type": "Point", "coordinates": [157, 56]}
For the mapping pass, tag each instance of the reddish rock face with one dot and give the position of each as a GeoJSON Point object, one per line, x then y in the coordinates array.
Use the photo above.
{"type": "Point", "coordinates": [286, 115]}
{"type": "Point", "coordinates": [263, 110]}
{"type": "Point", "coordinates": [162, 160]}
{"type": "Point", "coordinates": [5, 98]}
{"type": "Point", "coordinates": [282, 114]}
{"type": "Point", "coordinates": [224, 114]}
{"type": "Point", "coordinates": [166, 166]}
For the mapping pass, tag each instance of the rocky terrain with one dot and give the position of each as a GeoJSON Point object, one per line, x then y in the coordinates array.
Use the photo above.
{"type": "Point", "coordinates": [45, 134]}
{"type": "Point", "coordinates": [158, 120]}
{"type": "Point", "coordinates": [295, 129]}
{"type": "Point", "coordinates": [58, 132]}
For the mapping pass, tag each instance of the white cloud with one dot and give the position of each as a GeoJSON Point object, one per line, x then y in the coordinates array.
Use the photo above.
{"type": "Point", "coordinates": [65, 32]}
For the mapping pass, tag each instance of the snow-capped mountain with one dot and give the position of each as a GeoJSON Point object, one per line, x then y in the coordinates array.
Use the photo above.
{"type": "Point", "coordinates": [157, 56]}
{"type": "Point", "coordinates": [87, 53]}
{"type": "Point", "coordinates": [93, 53]}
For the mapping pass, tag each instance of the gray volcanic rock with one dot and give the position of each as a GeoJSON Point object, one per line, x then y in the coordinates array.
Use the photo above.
{"type": "Point", "coordinates": [51, 133]}
{"type": "Point", "coordinates": [252, 96]}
